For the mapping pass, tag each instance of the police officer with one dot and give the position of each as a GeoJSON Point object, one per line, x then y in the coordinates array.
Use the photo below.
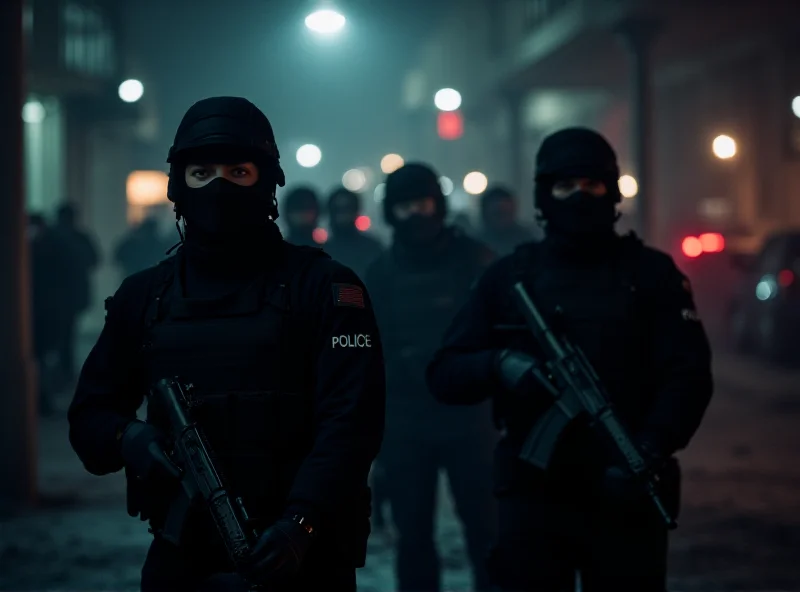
{"type": "Point", "coordinates": [631, 311]}
{"type": "Point", "coordinates": [347, 243]}
{"type": "Point", "coordinates": [301, 207]}
{"type": "Point", "coordinates": [417, 286]}
{"type": "Point", "coordinates": [282, 349]}
{"type": "Point", "coordinates": [500, 229]}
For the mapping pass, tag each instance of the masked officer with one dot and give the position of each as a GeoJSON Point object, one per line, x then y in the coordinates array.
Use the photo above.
{"type": "Point", "coordinates": [418, 285]}
{"type": "Point", "coordinates": [501, 231]}
{"type": "Point", "coordinates": [631, 311]}
{"type": "Point", "coordinates": [347, 243]}
{"type": "Point", "coordinates": [301, 207]}
{"type": "Point", "coordinates": [282, 349]}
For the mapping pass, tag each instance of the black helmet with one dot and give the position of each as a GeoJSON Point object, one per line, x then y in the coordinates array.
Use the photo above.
{"type": "Point", "coordinates": [411, 182]}
{"type": "Point", "coordinates": [575, 152]}
{"type": "Point", "coordinates": [341, 197]}
{"type": "Point", "coordinates": [301, 198]}
{"type": "Point", "coordinates": [236, 124]}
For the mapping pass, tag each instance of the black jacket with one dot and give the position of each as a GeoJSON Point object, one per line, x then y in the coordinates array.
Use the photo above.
{"type": "Point", "coordinates": [631, 311]}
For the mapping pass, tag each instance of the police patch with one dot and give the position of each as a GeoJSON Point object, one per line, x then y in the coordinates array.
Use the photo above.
{"type": "Point", "coordinates": [348, 295]}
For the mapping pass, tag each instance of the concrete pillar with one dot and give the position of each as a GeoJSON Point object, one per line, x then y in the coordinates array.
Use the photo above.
{"type": "Point", "coordinates": [17, 401]}
{"type": "Point", "coordinates": [638, 35]}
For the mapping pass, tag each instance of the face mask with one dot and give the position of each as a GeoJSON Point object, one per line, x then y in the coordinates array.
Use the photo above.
{"type": "Point", "coordinates": [224, 209]}
{"type": "Point", "coordinates": [417, 229]}
{"type": "Point", "coordinates": [582, 214]}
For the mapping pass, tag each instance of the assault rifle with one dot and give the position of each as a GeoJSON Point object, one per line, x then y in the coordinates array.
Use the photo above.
{"type": "Point", "coordinates": [200, 480]}
{"type": "Point", "coordinates": [577, 389]}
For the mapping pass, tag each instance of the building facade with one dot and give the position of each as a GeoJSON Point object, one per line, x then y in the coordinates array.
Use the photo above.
{"type": "Point", "coordinates": [79, 135]}
{"type": "Point", "coordinates": [661, 79]}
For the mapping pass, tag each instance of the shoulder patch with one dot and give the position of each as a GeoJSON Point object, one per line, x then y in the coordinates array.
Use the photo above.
{"type": "Point", "coordinates": [348, 295]}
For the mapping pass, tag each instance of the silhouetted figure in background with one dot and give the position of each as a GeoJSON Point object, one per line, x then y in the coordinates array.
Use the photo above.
{"type": "Point", "coordinates": [74, 285]}
{"type": "Point", "coordinates": [301, 208]}
{"type": "Point", "coordinates": [417, 286]}
{"type": "Point", "coordinates": [142, 247]}
{"type": "Point", "coordinates": [50, 265]}
{"type": "Point", "coordinates": [500, 229]}
{"type": "Point", "coordinates": [347, 243]}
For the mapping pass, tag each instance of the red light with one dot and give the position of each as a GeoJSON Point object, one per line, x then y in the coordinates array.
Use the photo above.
{"type": "Point", "coordinates": [785, 278]}
{"type": "Point", "coordinates": [320, 235]}
{"type": "Point", "coordinates": [450, 125]}
{"type": "Point", "coordinates": [692, 247]}
{"type": "Point", "coordinates": [712, 242]}
{"type": "Point", "coordinates": [363, 223]}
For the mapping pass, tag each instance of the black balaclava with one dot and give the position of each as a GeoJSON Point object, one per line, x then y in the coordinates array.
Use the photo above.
{"type": "Point", "coordinates": [301, 209]}
{"type": "Point", "coordinates": [498, 209]}
{"type": "Point", "coordinates": [573, 153]}
{"type": "Point", "coordinates": [343, 209]}
{"type": "Point", "coordinates": [412, 182]}
{"type": "Point", "coordinates": [222, 216]}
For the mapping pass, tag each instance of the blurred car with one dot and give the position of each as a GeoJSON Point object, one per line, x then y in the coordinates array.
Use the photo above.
{"type": "Point", "coordinates": [764, 314]}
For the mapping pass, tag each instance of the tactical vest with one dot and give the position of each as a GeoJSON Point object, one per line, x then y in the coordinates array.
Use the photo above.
{"type": "Point", "coordinates": [415, 308]}
{"type": "Point", "coordinates": [252, 377]}
{"type": "Point", "coordinates": [601, 308]}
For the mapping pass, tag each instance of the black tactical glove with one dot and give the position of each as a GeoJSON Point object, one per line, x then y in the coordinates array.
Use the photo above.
{"type": "Point", "coordinates": [619, 483]}
{"type": "Point", "coordinates": [142, 448]}
{"type": "Point", "coordinates": [279, 552]}
{"type": "Point", "coordinates": [517, 371]}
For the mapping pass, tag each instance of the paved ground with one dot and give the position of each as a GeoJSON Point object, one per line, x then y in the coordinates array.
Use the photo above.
{"type": "Point", "coordinates": [740, 530]}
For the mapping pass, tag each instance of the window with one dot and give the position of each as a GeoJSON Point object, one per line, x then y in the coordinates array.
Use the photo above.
{"type": "Point", "coordinates": [88, 42]}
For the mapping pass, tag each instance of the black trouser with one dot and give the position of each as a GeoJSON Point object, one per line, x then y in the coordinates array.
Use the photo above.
{"type": "Point", "coordinates": [543, 543]}
{"type": "Point", "coordinates": [380, 493]}
{"type": "Point", "coordinates": [170, 569]}
{"type": "Point", "coordinates": [412, 459]}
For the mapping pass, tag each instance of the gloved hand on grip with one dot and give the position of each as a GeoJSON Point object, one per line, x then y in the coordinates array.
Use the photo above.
{"type": "Point", "coordinates": [516, 371]}
{"type": "Point", "coordinates": [279, 552]}
{"type": "Point", "coordinates": [142, 449]}
{"type": "Point", "coordinates": [619, 483]}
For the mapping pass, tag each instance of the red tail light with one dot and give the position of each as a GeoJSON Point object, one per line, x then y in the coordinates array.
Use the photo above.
{"type": "Point", "coordinates": [785, 278]}
{"type": "Point", "coordinates": [712, 242]}
{"type": "Point", "coordinates": [363, 223]}
{"type": "Point", "coordinates": [320, 235]}
{"type": "Point", "coordinates": [692, 247]}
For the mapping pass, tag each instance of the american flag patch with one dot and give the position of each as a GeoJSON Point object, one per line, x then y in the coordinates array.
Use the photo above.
{"type": "Point", "coordinates": [348, 295]}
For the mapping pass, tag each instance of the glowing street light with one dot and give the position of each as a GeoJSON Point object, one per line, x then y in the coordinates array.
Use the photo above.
{"type": "Point", "coordinates": [131, 90]}
{"type": "Point", "coordinates": [628, 187]}
{"type": "Point", "coordinates": [446, 183]}
{"type": "Point", "coordinates": [391, 162]}
{"type": "Point", "coordinates": [724, 147]}
{"type": "Point", "coordinates": [33, 112]}
{"type": "Point", "coordinates": [475, 183]}
{"type": "Point", "coordinates": [308, 156]}
{"type": "Point", "coordinates": [796, 106]}
{"type": "Point", "coordinates": [354, 180]}
{"type": "Point", "coordinates": [447, 99]}
{"type": "Point", "coordinates": [325, 22]}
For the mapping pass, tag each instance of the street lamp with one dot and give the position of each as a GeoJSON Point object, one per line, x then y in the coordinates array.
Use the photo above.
{"type": "Point", "coordinates": [131, 90]}
{"type": "Point", "coordinates": [724, 147]}
{"type": "Point", "coordinates": [33, 112]}
{"type": "Point", "coordinates": [447, 99]}
{"type": "Point", "coordinates": [325, 21]}
{"type": "Point", "coordinates": [796, 106]}
{"type": "Point", "coordinates": [475, 183]}
{"type": "Point", "coordinates": [391, 162]}
{"type": "Point", "coordinates": [354, 180]}
{"type": "Point", "coordinates": [308, 156]}
{"type": "Point", "coordinates": [628, 186]}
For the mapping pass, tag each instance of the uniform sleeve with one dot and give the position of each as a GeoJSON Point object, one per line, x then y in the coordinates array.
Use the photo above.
{"type": "Point", "coordinates": [110, 388]}
{"type": "Point", "coordinates": [681, 363]}
{"type": "Point", "coordinates": [461, 372]}
{"type": "Point", "coordinates": [350, 393]}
